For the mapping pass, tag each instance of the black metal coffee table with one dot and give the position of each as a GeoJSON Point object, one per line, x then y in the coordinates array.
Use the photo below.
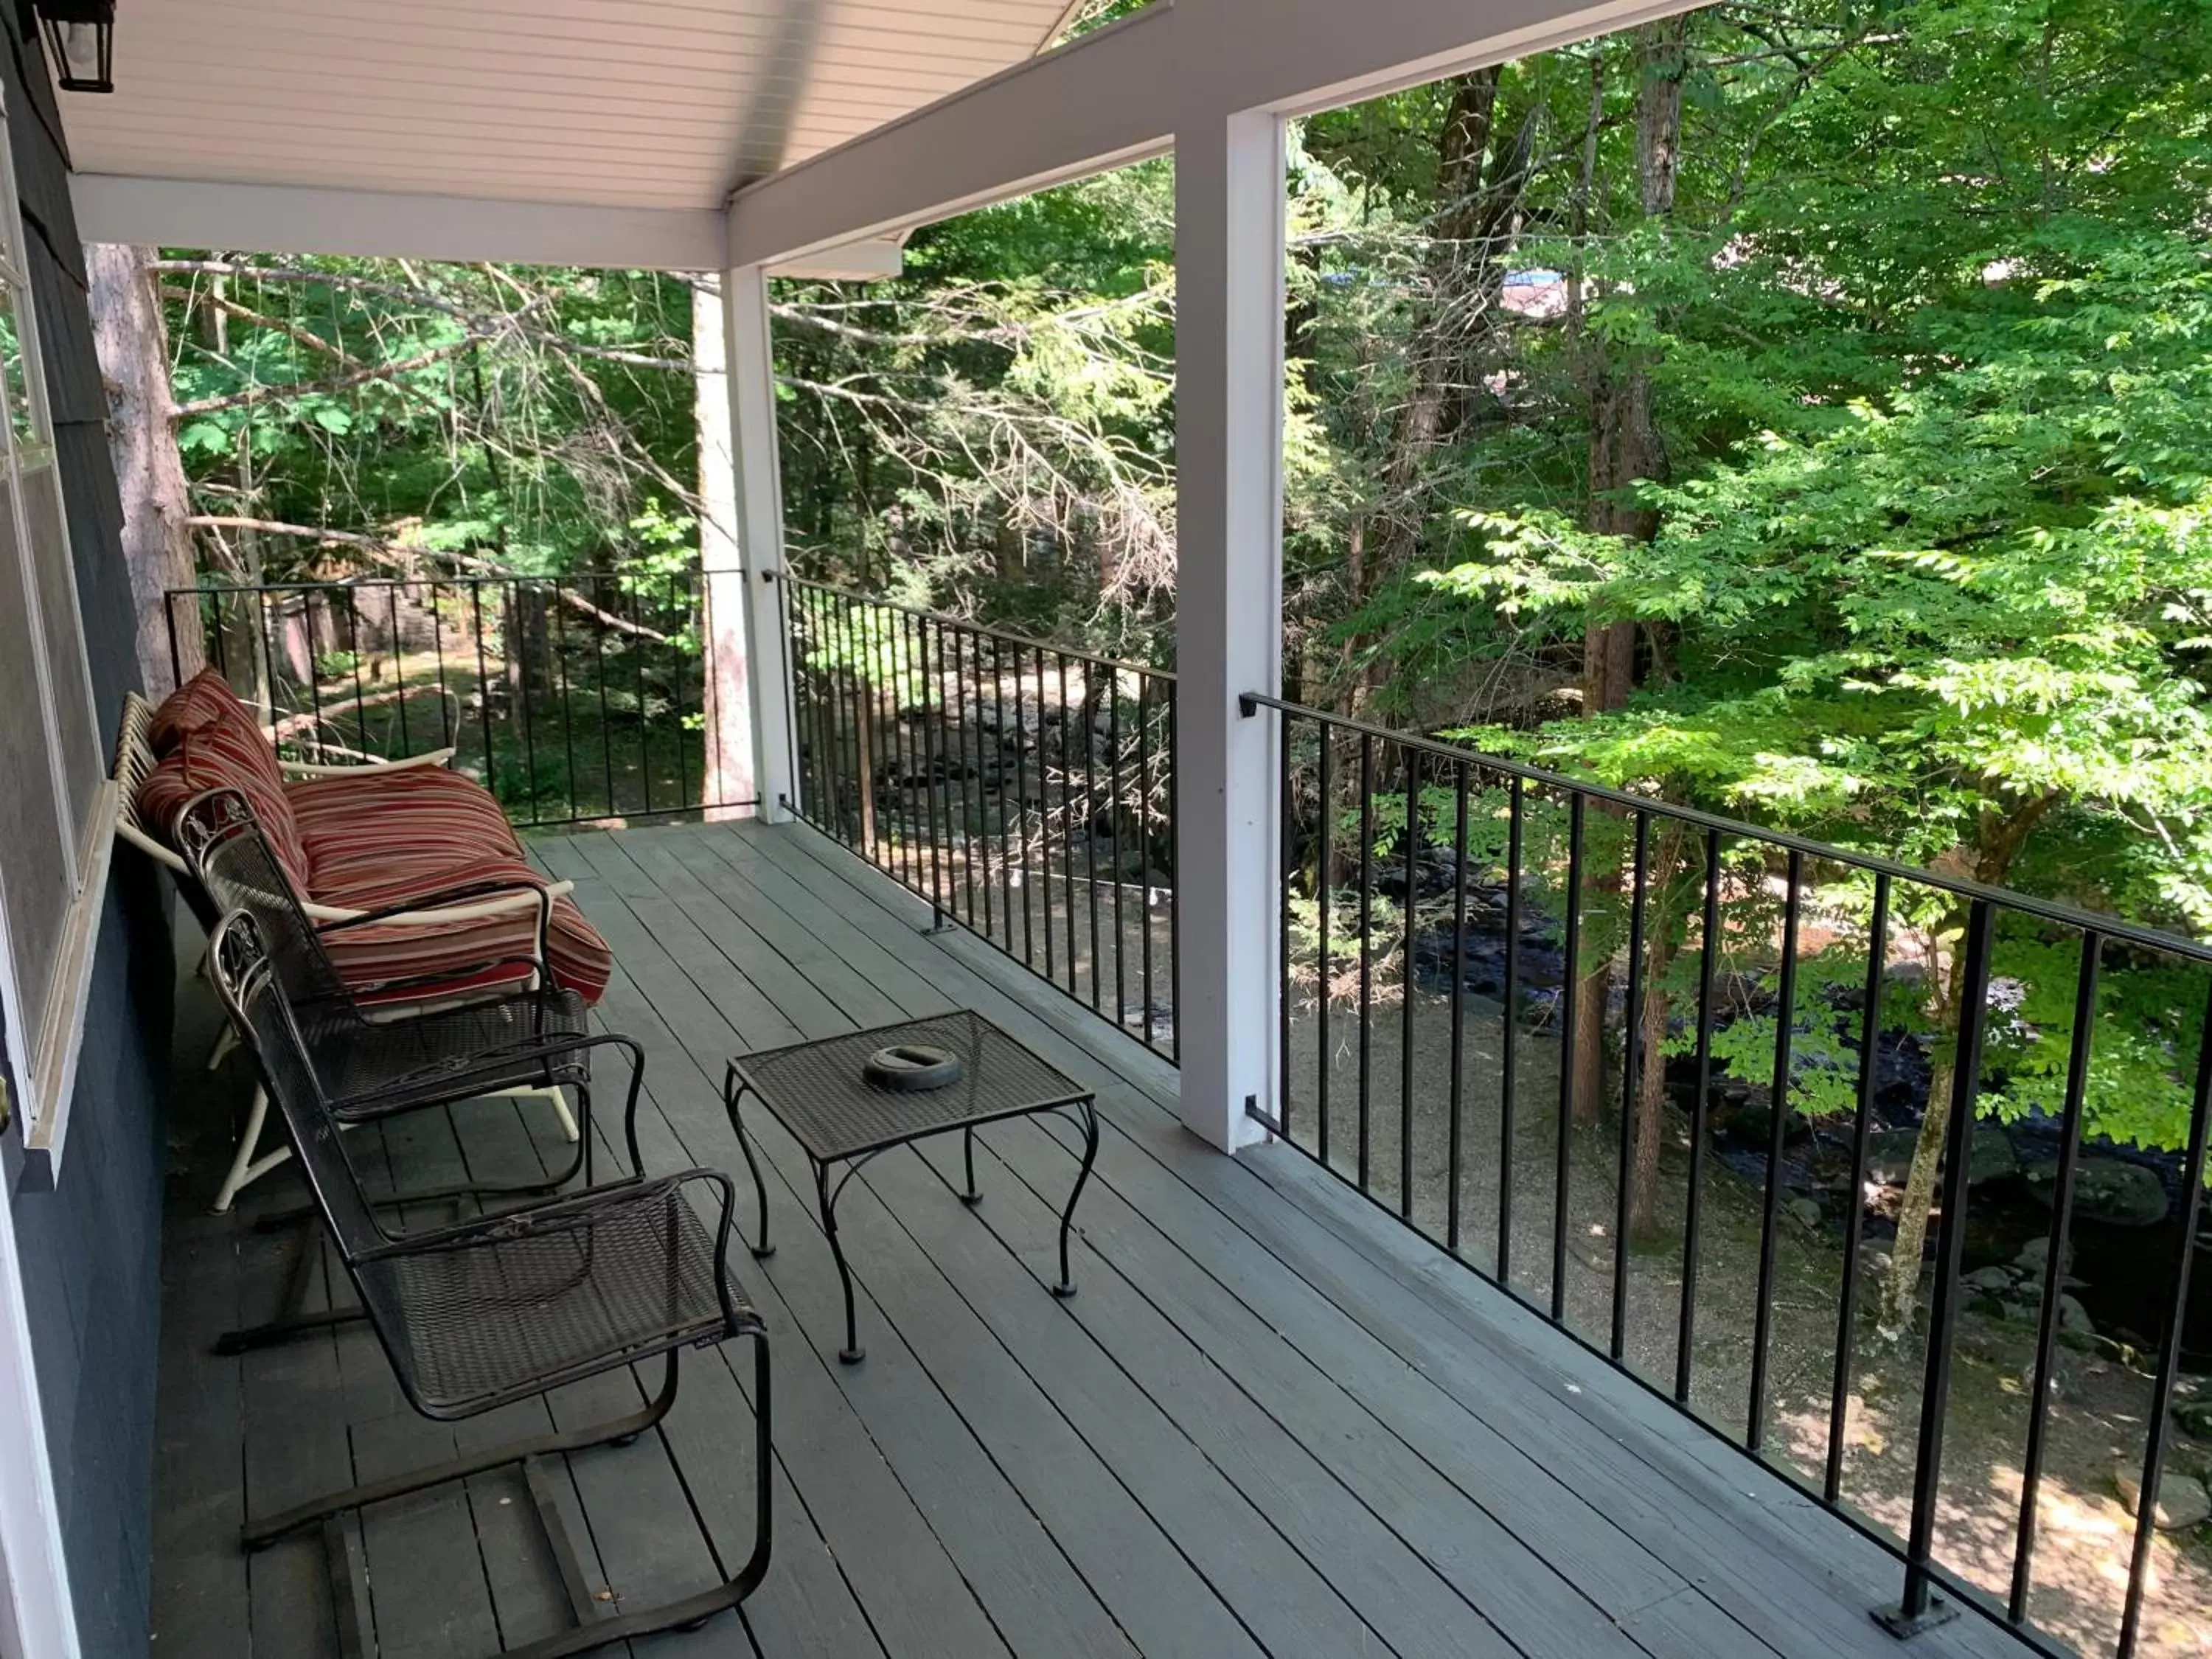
{"type": "Point", "coordinates": [817, 1092]}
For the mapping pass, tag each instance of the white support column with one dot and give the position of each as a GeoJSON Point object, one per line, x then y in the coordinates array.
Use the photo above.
{"type": "Point", "coordinates": [1228, 631]}
{"type": "Point", "coordinates": [760, 535]}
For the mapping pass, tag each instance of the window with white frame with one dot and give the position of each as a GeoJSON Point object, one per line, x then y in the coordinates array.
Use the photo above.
{"type": "Point", "coordinates": [56, 806]}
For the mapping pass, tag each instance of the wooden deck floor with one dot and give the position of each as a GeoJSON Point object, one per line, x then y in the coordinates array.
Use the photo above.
{"type": "Point", "coordinates": [1272, 1422]}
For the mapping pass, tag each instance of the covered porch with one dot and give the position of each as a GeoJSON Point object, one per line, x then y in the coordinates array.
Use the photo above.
{"type": "Point", "coordinates": [1273, 1421]}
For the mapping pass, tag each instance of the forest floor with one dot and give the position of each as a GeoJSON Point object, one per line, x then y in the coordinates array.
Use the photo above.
{"type": "Point", "coordinates": [2096, 1421]}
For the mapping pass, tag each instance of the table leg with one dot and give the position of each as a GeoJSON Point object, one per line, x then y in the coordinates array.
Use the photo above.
{"type": "Point", "coordinates": [971, 1198]}
{"type": "Point", "coordinates": [1067, 1285]}
{"type": "Point", "coordinates": [851, 1353]}
{"type": "Point", "coordinates": [733, 1093]}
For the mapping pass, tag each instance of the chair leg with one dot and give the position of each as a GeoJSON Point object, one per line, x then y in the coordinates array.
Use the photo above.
{"type": "Point", "coordinates": [225, 1040]}
{"type": "Point", "coordinates": [263, 1532]}
{"type": "Point", "coordinates": [692, 1611]}
{"type": "Point", "coordinates": [560, 1112]}
{"type": "Point", "coordinates": [589, 1633]}
{"type": "Point", "coordinates": [245, 1168]}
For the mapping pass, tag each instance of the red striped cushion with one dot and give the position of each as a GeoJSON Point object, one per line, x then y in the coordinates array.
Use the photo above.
{"type": "Point", "coordinates": [577, 957]}
{"type": "Point", "coordinates": [388, 838]}
{"type": "Point", "coordinates": [216, 757]}
{"type": "Point", "coordinates": [351, 827]}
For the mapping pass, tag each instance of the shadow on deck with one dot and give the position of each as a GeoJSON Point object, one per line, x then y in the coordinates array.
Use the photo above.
{"type": "Point", "coordinates": [1272, 1422]}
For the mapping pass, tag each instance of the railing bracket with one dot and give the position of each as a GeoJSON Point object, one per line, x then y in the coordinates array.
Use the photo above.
{"type": "Point", "coordinates": [1905, 1625]}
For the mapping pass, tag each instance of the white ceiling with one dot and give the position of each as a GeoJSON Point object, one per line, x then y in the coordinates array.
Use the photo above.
{"type": "Point", "coordinates": [642, 103]}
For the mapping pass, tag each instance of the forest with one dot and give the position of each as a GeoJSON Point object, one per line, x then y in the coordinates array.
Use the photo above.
{"type": "Point", "coordinates": [1795, 411]}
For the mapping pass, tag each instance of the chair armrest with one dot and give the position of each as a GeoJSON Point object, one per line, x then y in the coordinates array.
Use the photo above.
{"type": "Point", "coordinates": [490, 899]}
{"type": "Point", "coordinates": [429, 983]}
{"type": "Point", "coordinates": [548, 1049]}
{"type": "Point", "coordinates": [467, 902]}
{"type": "Point", "coordinates": [366, 768]}
{"type": "Point", "coordinates": [561, 1214]}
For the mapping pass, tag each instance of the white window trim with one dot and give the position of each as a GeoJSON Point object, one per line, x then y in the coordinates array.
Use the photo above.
{"type": "Point", "coordinates": [43, 1059]}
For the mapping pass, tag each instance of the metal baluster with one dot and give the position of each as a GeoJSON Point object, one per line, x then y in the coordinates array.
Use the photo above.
{"type": "Point", "coordinates": [1286, 855]}
{"type": "Point", "coordinates": [176, 657]}
{"type": "Point", "coordinates": [1785, 1017]}
{"type": "Point", "coordinates": [1175, 893]}
{"type": "Point", "coordinates": [1847, 1312]}
{"type": "Point", "coordinates": [1067, 819]}
{"type": "Point", "coordinates": [483, 685]}
{"type": "Point", "coordinates": [606, 749]}
{"type": "Point", "coordinates": [1044, 827]}
{"type": "Point", "coordinates": [1569, 986]}
{"type": "Point", "coordinates": [1457, 992]}
{"type": "Point", "coordinates": [1145, 837]}
{"type": "Point", "coordinates": [932, 751]}
{"type": "Point", "coordinates": [828, 786]}
{"type": "Point", "coordinates": [842, 612]}
{"type": "Point", "coordinates": [1116, 818]}
{"type": "Point", "coordinates": [1091, 819]}
{"type": "Point", "coordinates": [998, 786]}
{"type": "Point", "coordinates": [1709, 942]}
{"type": "Point", "coordinates": [961, 851]}
{"type": "Point", "coordinates": [1323, 873]}
{"type": "Point", "coordinates": [529, 734]}
{"type": "Point", "coordinates": [623, 591]}
{"type": "Point", "coordinates": [1920, 1607]}
{"type": "Point", "coordinates": [567, 705]}
{"type": "Point", "coordinates": [1366, 950]}
{"type": "Point", "coordinates": [1411, 759]}
{"type": "Point", "coordinates": [2054, 1267]}
{"type": "Point", "coordinates": [679, 606]}
{"type": "Point", "coordinates": [353, 650]}
{"type": "Point", "coordinates": [268, 654]}
{"type": "Point", "coordinates": [782, 585]}
{"type": "Point", "coordinates": [313, 642]}
{"type": "Point", "coordinates": [2169, 1357]}
{"type": "Point", "coordinates": [446, 711]}
{"type": "Point", "coordinates": [1509, 1038]}
{"type": "Point", "coordinates": [1632, 1059]}
{"type": "Point", "coordinates": [399, 665]}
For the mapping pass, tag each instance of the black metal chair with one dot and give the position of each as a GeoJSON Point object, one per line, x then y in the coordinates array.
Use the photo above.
{"type": "Point", "coordinates": [532, 1042]}
{"type": "Point", "coordinates": [510, 1306]}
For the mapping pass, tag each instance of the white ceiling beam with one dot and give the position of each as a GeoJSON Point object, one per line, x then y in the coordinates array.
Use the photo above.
{"type": "Point", "coordinates": [370, 224]}
{"type": "Point", "coordinates": [1097, 102]}
{"type": "Point", "coordinates": [1115, 95]}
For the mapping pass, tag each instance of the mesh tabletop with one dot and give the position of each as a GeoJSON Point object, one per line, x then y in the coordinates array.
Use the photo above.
{"type": "Point", "coordinates": [817, 1092]}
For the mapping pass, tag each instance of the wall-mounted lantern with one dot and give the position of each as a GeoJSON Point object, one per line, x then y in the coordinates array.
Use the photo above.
{"type": "Point", "coordinates": [80, 43]}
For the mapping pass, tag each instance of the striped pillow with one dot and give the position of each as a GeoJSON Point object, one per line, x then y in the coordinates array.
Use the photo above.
{"type": "Point", "coordinates": [217, 756]}
{"type": "Point", "coordinates": [206, 696]}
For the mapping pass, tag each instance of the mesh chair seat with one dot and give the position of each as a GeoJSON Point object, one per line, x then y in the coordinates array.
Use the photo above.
{"type": "Point", "coordinates": [371, 1068]}
{"type": "Point", "coordinates": [500, 1313]}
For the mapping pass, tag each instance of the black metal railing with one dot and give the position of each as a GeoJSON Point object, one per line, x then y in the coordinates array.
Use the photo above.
{"type": "Point", "coordinates": [1663, 1076]}
{"type": "Point", "coordinates": [1025, 790]}
{"type": "Point", "coordinates": [576, 700]}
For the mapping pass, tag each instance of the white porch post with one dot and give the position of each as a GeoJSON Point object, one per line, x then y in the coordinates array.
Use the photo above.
{"type": "Point", "coordinates": [760, 535]}
{"type": "Point", "coordinates": [1229, 391]}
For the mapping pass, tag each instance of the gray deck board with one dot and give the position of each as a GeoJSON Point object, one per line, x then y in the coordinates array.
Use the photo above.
{"type": "Point", "coordinates": [1271, 1421]}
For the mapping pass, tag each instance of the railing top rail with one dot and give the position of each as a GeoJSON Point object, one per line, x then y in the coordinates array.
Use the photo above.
{"type": "Point", "coordinates": [968, 625]}
{"type": "Point", "coordinates": [427, 580]}
{"type": "Point", "coordinates": [2110, 927]}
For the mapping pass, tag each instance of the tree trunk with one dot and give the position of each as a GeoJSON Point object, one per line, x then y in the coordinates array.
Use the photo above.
{"type": "Point", "coordinates": [1625, 446]}
{"type": "Point", "coordinates": [133, 344]}
{"type": "Point", "coordinates": [728, 773]}
{"type": "Point", "coordinates": [1998, 837]}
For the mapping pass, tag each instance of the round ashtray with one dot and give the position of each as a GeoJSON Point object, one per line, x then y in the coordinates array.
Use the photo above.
{"type": "Point", "coordinates": [913, 1067]}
